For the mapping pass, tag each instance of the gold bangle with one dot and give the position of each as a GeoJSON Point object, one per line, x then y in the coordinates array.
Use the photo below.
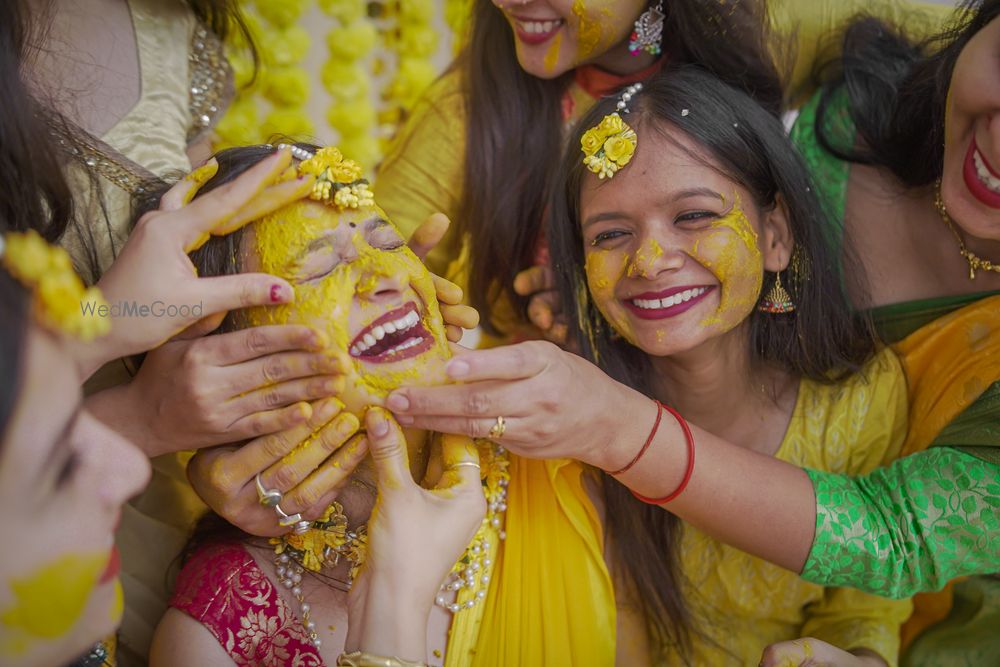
{"type": "Point", "coordinates": [361, 659]}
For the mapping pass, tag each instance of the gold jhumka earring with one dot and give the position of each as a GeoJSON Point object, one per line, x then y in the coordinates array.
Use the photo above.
{"type": "Point", "coordinates": [777, 300]}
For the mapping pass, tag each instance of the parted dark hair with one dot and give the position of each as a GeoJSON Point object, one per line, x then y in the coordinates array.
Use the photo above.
{"type": "Point", "coordinates": [15, 314]}
{"type": "Point", "coordinates": [34, 193]}
{"type": "Point", "coordinates": [897, 90]}
{"type": "Point", "coordinates": [823, 339]}
{"type": "Point", "coordinates": [514, 127]}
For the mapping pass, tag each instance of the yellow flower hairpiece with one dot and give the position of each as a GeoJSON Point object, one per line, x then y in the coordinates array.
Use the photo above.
{"type": "Point", "coordinates": [60, 300]}
{"type": "Point", "coordinates": [609, 146]}
{"type": "Point", "coordinates": [338, 180]}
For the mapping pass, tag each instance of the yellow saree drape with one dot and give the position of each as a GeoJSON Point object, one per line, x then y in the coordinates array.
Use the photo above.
{"type": "Point", "coordinates": [551, 600]}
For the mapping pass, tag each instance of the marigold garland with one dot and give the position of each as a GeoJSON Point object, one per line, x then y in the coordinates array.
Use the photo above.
{"type": "Point", "coordinates": [379, 64]}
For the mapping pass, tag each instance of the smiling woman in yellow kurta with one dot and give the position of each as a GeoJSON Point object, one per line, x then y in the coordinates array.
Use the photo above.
{"type": "Point", "coordinates": [743, 603]}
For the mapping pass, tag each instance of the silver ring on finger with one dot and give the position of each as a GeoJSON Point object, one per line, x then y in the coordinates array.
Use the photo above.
{"type": "Point", "coordinates": [465, 464]}
{"type": "Point", "coordinates": [497, 430]}
{"type": "Point", "coordinates": [286, 520]}
{"type": "Point", "coordinates": [267, 497]}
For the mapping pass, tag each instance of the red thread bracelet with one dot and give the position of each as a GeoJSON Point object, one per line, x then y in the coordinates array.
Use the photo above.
{"type": "Point", "coordinates": [690, 464]}
{"type": "Point", "coordinates": [649, 441]}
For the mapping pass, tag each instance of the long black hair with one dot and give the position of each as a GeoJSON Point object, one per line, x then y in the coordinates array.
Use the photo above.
{"type": "Point", "coordinates": [823, 339]}
{"type": "Point", "coordinates": [897, 91]}
{"type": "Point", "coordinates": [15, 314]}
{"type": "Point", "coordinates": [514, 127]}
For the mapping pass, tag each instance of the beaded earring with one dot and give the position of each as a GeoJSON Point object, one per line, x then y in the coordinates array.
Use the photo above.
{"type": "Point", "coordinates": [777, 300]}
{"type": "Point", "coordinates": [648, 33]}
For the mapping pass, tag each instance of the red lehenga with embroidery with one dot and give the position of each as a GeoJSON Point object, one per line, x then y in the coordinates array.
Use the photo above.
{"type": "Point", "coordinates": [222, 588]}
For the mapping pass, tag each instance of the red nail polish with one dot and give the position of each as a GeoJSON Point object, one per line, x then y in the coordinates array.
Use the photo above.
{"type": "Point", "coordinates": [275, 293]}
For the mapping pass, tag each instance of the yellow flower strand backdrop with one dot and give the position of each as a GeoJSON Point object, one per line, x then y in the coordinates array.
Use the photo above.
{"type": "Point", "coordinates": [339, 72]}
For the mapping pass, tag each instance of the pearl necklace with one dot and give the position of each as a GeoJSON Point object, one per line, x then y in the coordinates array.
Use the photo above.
{"type": "Point", "coordinates": [976, 263]}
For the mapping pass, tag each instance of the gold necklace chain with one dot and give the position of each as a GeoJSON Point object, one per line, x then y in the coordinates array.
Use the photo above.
{"type": "Point", "coordinates": [976, 263]}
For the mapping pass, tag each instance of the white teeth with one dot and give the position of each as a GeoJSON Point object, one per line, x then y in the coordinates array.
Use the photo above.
{"type": "Point", "coordinates": [539, 27]}
{"type": "Point", "coordinates": [987, 178]}
{"type": "Point", "coordinates": [379, 332]}
{"type": "Point", "coordinates": [673, 300]}
{"type": "Point", "coordinates": [410, 342]}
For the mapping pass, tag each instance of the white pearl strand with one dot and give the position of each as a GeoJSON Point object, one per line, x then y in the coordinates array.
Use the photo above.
{"type": "Point", "coordinates": [290, 576]}
{"type": "Point", "coordinates": [475, 576]}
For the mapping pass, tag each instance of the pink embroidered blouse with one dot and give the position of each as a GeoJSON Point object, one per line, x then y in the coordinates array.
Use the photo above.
{"type": "Point", "coordinates": [222, 588]}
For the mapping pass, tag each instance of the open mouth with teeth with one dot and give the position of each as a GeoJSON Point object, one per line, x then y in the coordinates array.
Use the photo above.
{"type": "Point", "coordinates": [981, 177]}
{"type": "Point", "coordinates": [533, 31]}
{"type": "Point", "coordinates": [396, 335]}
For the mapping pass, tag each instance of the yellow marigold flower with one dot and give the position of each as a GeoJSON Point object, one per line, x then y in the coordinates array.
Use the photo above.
{"type": "Point", "coordinates": [345, 81]}
{"type": "Point", "coordinates": [351, 117]}
{"type": "Point", "coordinates": [592, 140]}
{"type": "Point", "coordinates": [413, 77]}
{"type": "Point", "coordinates": [418, 41]}
{"type": "Point", "coordinates": [284, 47]}
{"type": "Point", "coordinates": [619, 149]}
{"type": "Point", "coordinates": [364, 148]}
{"type": "Point", "coordinates": [345, 11]}
{"type": "Point", "coordinates": [352, 41]}
{"type": "Point", "coordinates": [27, 256]}
{"type": "Point", "coordinates": [612, 124]}
{"type": "Point", "coordinates": [288, 122]}
{"type": "Point", "coordinates": [287, 86]}
{"type": "Point", "coordinates": [281, 13]}
{"type": "Point", "coordinates": [58, 293]}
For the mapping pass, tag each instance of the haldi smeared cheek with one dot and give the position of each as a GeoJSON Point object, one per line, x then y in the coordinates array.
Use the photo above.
{"type": "Point", "coordinates": [729, 249]}
{"type": "Point", "coordinates": [49, 601]}
{"type": "Point", "coordinates": [591, 37]}
{"type": "Point", "coordinates": [334, 300]}
{"type": "Point", "coordinates": [605, 269]}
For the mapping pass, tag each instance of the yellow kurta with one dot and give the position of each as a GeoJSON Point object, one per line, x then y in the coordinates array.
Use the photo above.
{"type": "Point", "coordinates": [743, 603]}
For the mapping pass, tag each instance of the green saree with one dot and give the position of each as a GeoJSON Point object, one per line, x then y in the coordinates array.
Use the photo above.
{"type": "Point", "coordinates": [934, 515]}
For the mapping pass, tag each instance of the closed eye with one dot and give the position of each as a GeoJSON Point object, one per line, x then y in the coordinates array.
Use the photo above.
{"type": "Point", "coordinates": [609, 235]}
{"type": "Point", "coordinates": [694, 217]}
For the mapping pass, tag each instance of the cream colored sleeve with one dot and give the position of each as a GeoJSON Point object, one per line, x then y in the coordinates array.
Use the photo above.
{"type": "Point", "coordinates": [423, 171]}
{"type": "Point", "coordinates": [809, 30]}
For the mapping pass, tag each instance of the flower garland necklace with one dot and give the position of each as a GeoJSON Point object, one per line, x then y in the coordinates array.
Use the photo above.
{"type": "Point", "coordinates": [330, 539]}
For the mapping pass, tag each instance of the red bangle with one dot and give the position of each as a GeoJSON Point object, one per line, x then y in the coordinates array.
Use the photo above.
{"type": "Point", "coordinates": [690, 464]}
{"type": "Point", "coordinates": [649, 440]}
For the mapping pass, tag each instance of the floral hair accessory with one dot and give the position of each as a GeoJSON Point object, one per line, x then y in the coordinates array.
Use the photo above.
{"type": "Point", "coordinates": [610, 145]}
{"type": "Point", "coordinates": [58, 294]}
{"type": "Point", "coordinates": [338, 181]}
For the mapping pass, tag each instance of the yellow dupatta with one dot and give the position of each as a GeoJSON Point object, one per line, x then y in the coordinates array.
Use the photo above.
{"type": "Point", "coordinates": [551, 600]}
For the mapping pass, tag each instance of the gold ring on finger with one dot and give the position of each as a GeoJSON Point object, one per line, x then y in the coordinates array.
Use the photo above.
{"type": "Point", "coordinates": [497, 430]}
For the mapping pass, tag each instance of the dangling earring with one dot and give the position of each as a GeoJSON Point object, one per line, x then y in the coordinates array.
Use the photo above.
{"type": "Point", "coordinates": [777, 299]}
{"type": "Point", "coordinates": [648, 33]}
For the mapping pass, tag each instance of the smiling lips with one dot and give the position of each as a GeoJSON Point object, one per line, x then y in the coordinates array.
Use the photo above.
{"type": "Point", "coordinates": [533, 31]}
{"type": "Point", "coordinates": [980, 177]}
{"type": "Point", "coordinates": [667, 303]}
{"type": "Point", "coordinates": [396, 335]}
